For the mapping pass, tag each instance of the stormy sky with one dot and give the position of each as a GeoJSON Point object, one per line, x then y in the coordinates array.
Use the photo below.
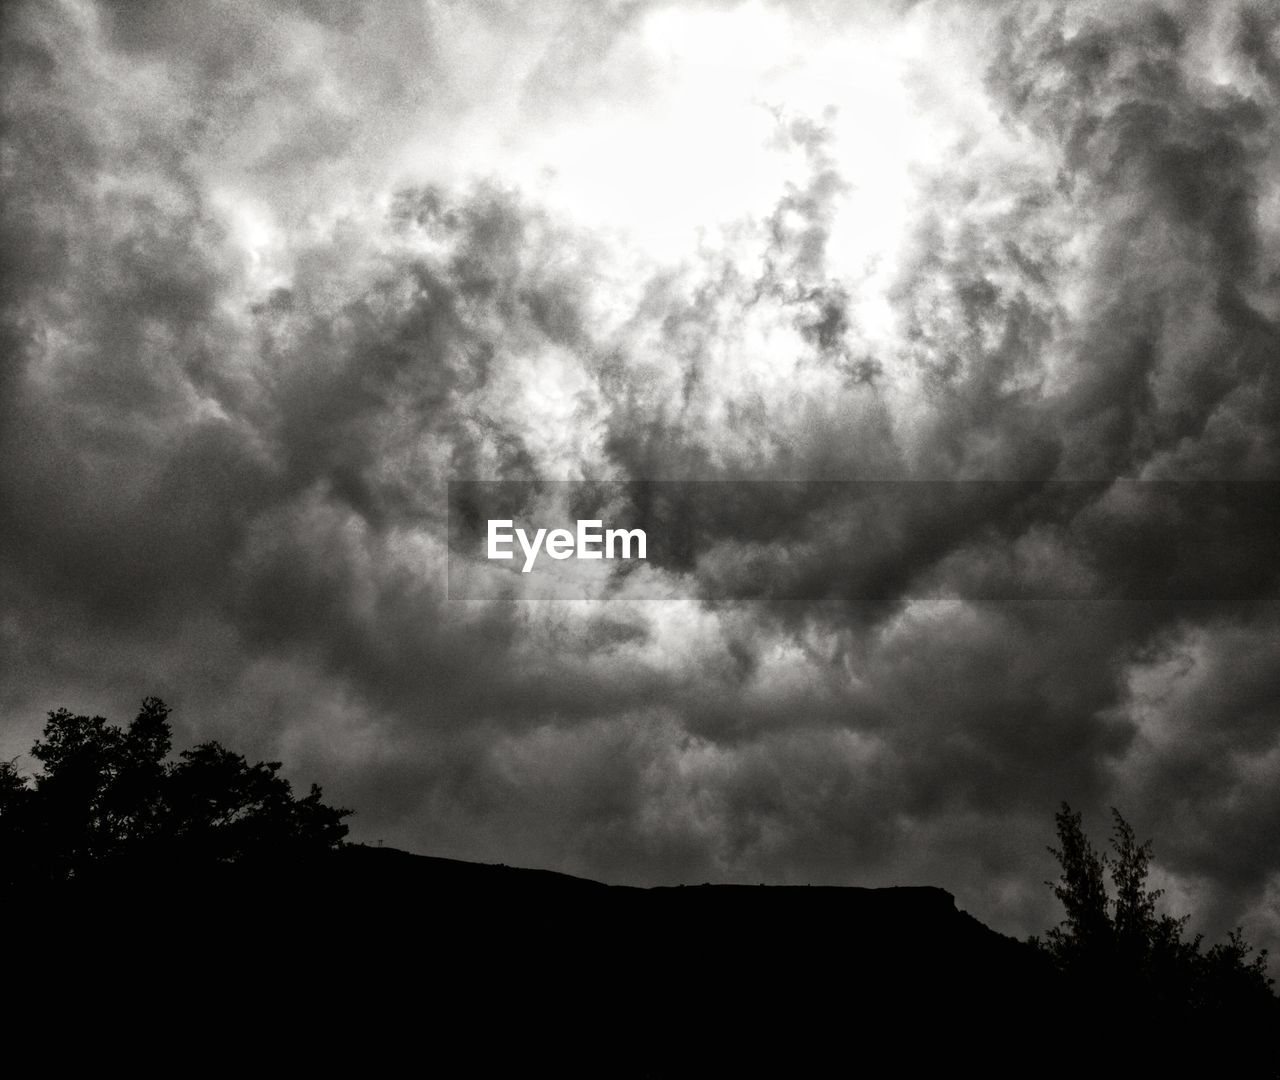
{"type": "Point", "coordinates": [976, 304]}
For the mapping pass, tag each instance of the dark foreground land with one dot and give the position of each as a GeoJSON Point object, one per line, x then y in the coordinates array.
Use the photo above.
{"type": "Point", "coordinates": [369, 954]}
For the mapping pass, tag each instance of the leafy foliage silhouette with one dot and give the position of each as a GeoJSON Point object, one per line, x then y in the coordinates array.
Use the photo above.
{"type": "Point", "coordinates": [107, 794]}
{"type": "Point", "coordinates": [1115, 948]}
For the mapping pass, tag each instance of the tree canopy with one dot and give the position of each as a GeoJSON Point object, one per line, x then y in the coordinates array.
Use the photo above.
{"type": "Point", "coordinates": [106, 794]}
{"type": "Point", "coordinates": [1116, 947]}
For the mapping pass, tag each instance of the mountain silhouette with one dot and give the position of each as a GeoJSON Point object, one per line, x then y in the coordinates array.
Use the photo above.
{"type": "Point", "coordinates": [517, 967]}
{"type": "Point", "coordinates": [197, 899]}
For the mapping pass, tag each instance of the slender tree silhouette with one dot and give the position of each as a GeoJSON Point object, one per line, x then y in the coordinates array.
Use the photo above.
{"type": "Point", "coordinates": [1117, 949]}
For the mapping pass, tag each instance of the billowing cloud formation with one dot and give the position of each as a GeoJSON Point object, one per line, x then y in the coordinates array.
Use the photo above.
{"type": "Point", "coordinates": [977, 308]}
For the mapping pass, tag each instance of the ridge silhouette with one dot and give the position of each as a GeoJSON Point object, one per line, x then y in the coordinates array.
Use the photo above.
{"type": "Point", "coordinates": [244, 903]}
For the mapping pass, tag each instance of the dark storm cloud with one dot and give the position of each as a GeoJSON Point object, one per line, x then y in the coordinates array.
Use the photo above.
{"type": "Point", "coordinates": [145, 466]}
{"type": "Point", "coordinates": [1164, 371]}
{"type": "Point", "coordinates": [95, 443]}
{"type": "Point", "coordinates": [228, 477]}
{"type": "Point", "coordinates": [1171, 166]}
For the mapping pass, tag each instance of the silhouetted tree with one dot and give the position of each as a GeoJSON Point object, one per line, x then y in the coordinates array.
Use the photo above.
{"type": "Point", "coordinates": [1118, 949]}
{"type": "Point", "coordinates": [15, 815]}
{"type": "Point", "coordinates": [106, 793]}
{"type": "Point", "coordinates": [1084, 937]}
{"type": "Point", "coordinates": [226, 809]}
